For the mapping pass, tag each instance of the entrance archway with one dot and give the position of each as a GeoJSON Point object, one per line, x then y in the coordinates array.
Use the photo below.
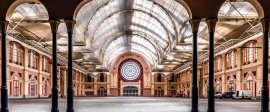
{"type": "Point", "coordinates": [130, 91]}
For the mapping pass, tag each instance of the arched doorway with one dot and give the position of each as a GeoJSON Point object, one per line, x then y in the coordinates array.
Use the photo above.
{"type": "Point", "coordinates": [231, 84]}
{"type": "Point", "coordinates": [102, 91]}
{"type": "Point", "coordinates": [218, 86]}
{"type": "Point", "coordinates": [159, 92]}
{"type": "Point", "coordinates": [250, 84]}
{"type": "Point", "coordinates": [130, 91]}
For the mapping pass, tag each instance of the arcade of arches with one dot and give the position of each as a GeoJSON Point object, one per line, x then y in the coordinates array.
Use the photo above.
{"type": "Point", "coordinates": [134, 48]}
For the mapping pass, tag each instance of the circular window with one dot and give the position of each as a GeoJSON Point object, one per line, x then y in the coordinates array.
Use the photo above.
{"type": "Point", "coordinates": [130, 71]}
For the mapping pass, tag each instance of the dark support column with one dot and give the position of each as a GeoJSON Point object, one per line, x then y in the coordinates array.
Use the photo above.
{"type": "Point", "coordinates": [70, 26]}
{"type": "Point", "coordinates": [211, 93]}
{"type": "Point", "coordinates": [265, 90]}
{"type": "Point", "coordinates": [195, 25]}
{"type": "Point", "coordinates": [4, 90]}
{"type": "Point", "coordinates": [54, 27]}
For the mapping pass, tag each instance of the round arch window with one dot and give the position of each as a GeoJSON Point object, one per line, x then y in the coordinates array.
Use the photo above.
{"type": "Point", "coordinates": [130, 71]}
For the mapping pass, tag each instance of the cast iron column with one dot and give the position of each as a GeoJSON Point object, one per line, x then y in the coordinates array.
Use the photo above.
{"type": "Point", "coordinates": [70, 26]}
{"type": "Point", "coordinates": [211, 93]}
{"type": "Point", "coordinates": [265, 90]}
{"type": "Point", "coordinates": [54, 27]}
{"type": "Point", "coordinates": [4, 90]}
{"type": "Point", "coordinates": [195, 25]}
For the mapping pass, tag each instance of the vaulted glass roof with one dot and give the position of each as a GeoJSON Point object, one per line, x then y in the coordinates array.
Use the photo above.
{"type": "Point", "coordinates": [160, 20]}
{"type": "Point", "coordinates": [159, 30]}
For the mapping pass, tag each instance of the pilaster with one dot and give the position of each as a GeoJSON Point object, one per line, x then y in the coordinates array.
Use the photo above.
{"type": "Point", "coordinates": [95, 87]}
{"type": "Point", "coordinates": [108, 85]}
{"type": "Point", "coordinates": [239, 63]}
{"type": "Point", "coordinates": [25, 74]}
{"type": "Point", "coordinates": [166, 87]}
{"type": "Point", "coordinates": [40, 76]}
{"type": "Point", "coordinates": [63, 84]}
{"type": "Point", "coordinates": [152, 85]}
{"type": "Point", "coordinates": [223, 76]}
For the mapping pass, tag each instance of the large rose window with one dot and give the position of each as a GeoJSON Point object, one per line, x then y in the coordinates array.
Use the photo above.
{"type": "Point", "coordinates": [130, 71]}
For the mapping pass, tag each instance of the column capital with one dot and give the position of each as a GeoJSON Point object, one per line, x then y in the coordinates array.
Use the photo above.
{"type": "Point", "coordinates": [54, 25]}
{"type": "Point", "coordinates": [211, 23]}
{"type": "Point", "coordinates": [265, 24]}
{"type": "Point", "coordinates": [195, 23]}
{"type": "Point", "coordinates": [70, 25]}
{"type": "Point", "coordinates": [3, 26]}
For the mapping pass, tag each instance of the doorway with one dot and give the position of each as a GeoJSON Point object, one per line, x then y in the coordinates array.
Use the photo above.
{"type": "Point", "coordinates": [130, 91]}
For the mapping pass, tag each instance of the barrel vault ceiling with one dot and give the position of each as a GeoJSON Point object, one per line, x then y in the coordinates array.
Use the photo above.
{"type": "Point", "coordinates": [159, 30]}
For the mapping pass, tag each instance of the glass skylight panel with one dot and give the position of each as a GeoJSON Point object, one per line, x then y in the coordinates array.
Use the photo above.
{"type": "Point", "coordinates": [245, 8]}
{"type": "Point", "coordinates": [30, 11]}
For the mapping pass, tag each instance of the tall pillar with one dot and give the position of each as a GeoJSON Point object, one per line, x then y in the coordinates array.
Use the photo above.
{"type": "Point", "coordinates": [195, 26]}
{"type": "Point", "coordinates": [70, 26]}
{"type": "Point", "coordinates": [265, 89]}
{"type": "Point", "coordinates": [211, 92]}
{"type": "Point", "coordinates": [4, 90]}
{"type": "Point", "coordinates": [54, 27]}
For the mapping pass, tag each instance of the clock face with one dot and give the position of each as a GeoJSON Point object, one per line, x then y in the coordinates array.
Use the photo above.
{"type": "Point", "coordinates": [130, 71]}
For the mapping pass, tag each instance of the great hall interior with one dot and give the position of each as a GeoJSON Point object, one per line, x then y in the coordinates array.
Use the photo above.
{"type": "Point", "coordinates": [162, 48]}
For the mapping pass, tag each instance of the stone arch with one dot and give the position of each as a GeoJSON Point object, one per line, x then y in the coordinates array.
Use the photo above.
{"type": "Point", "coordinates": [258, 8]}
{"type": "Point", "coordinates": [156, 75]}
{"type": "Point", "coordinates": [17, 3]}
{"type": "Point", "coordinates": [250, 76]}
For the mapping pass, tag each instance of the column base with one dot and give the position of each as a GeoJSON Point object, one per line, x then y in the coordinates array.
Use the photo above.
{"type": "Point", "coordinates": [55, 110]}
{"type": "Point", "coordinates": [265, 110]}
{"type": "Point", "coordinates": [70, 110]}
{"type": "Point", "coordinates": [194, 110]}
{"type": "Point", "coordinates": [4, 110]}
{"type": "Point", "coordinates": [211, 110]}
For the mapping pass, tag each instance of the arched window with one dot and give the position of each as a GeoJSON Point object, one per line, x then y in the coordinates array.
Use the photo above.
{"type": "Point", "coordinates": [250, 52]}
{"type": "Point", "coordinates": [219, 64]}
{"type": "Point", "coordinates": [45, 64]}
{"type": "Point", "coordinates": [159, 77]}
{"type": "Point", "coordinates": [231, 59]}
{"type": "Point", "coordinates": [16, 53]}
{"type": "Point", "coordinates": [101, 77]}
{"type": "Point", "coordinates": [33, 59]}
